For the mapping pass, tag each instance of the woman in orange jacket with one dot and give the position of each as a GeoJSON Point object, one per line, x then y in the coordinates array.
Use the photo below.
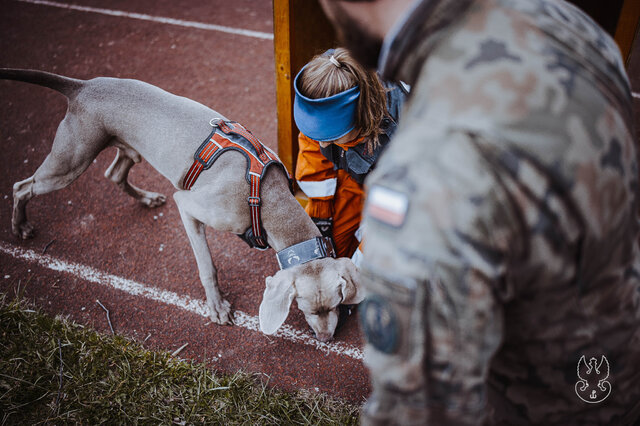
{"type": "Point", "coordinates": [346, 116]}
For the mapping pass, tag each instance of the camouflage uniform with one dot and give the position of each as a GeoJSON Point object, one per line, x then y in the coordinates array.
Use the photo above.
{"type": "Point", "coordinates": [500, 228]}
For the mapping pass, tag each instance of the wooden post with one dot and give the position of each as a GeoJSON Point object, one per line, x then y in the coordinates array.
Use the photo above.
{"type": "Point", "coordinates": [628, 27]}
{"type": "Point", "coordinates": [301, 30]}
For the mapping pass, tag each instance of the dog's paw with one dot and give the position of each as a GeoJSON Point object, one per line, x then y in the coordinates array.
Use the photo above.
{"type": "Point", "coordinates": [153, 199]}
{"type": "Point", "coordinates": [23, 230]}
{"type": "Point", "coordinates": [220, 313]}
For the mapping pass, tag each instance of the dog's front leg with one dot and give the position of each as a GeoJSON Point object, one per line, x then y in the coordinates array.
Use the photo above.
{"type": "Point", "coordinates": [220, 309]}
{"type": "Point", "coordinates": [118, 173]}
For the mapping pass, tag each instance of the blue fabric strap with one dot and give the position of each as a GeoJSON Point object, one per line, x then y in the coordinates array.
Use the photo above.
{"type": "Point", "coordinates": [325, 119]}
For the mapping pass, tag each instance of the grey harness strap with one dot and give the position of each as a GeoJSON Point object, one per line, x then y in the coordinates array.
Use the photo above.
{"type": "Point", "coordinates": [306, 251]}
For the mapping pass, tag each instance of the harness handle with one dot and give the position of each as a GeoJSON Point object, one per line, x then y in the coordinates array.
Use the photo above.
{"type": "Point", "coordinates": [240, 130]}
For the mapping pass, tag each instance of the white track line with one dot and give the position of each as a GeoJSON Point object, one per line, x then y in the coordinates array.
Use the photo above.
{"type": "Point", "coordinates": [636, 95]}
{"type": "Point", "coordinates": [196, 306]}
{"type": "Point", "coordinates": [160, 19]}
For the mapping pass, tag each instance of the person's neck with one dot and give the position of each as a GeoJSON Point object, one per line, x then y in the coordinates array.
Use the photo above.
{"type": "Point", "coordinates": [378, 17]}
{"type": "Point", "coordinates": [408, 42]}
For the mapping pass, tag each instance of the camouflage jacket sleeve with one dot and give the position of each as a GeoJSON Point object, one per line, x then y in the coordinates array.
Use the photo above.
{"type": "Point", "coordinates": [448, 252]}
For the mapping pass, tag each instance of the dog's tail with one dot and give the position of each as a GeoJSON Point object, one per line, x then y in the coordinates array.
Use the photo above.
{"type": "Point", "coordinates": [65, 85]}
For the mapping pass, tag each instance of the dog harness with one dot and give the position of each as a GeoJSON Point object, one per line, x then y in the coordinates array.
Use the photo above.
{"type": "Point", "coordinates": [230, 135]}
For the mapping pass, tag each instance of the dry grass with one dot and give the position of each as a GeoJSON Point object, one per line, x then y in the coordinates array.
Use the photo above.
{"type": "Point", "coordinates": [56, 372]}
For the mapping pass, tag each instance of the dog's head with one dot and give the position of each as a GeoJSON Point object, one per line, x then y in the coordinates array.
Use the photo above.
{"type": "Point", "coordinates": [319, 287]}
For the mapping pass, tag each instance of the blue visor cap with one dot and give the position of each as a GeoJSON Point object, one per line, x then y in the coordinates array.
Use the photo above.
{"type": "Point", "coordinates": [325, 119]}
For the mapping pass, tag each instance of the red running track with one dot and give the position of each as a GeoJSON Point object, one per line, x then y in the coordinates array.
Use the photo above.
{"type": "Point", "coordinates": [100, 244]}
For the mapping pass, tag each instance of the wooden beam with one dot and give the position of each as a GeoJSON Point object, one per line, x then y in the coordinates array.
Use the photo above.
{"type": "Point", "coordinates": [301, 30]}
{"type": "Point", "coordinates": [628, 25]}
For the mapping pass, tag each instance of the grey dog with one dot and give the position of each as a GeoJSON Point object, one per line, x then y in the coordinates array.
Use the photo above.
{"type": "Point", "coordinates": [144, 121]}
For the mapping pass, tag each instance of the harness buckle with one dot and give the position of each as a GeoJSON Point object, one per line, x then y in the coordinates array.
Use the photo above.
{"type": "Point", "coordinates": [254, 201]}
{"type": "Point", "coordinates": [253, 242]}
{"type": "Point", "coordinates": [205, 164]}
{"type": "Point", "coordinates": [215, 122]}
{"type": "Point", "coordinates": [327, 247]}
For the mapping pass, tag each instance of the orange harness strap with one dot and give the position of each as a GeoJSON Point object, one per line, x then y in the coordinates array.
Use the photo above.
{"type": "Point", "coordinates": [228, 135]}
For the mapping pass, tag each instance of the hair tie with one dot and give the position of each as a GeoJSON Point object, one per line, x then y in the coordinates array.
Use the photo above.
{"type": "Point", "coordinates": [334, 61]}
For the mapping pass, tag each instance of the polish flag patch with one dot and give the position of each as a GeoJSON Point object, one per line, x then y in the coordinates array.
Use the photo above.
{"type": "Point", "coordinates": [387, 206]}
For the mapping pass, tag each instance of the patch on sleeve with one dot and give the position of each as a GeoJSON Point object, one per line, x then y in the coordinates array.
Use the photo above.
{"type": "Point", "coordinates": [387, 206]}
{"type": "Point", "coordinates": [379, 324]}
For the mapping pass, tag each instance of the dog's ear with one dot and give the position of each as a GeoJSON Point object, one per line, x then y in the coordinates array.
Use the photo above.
{"type": "Point", "coordinates": [349, 283]}
{"type": "Point", "coordinates": [278, 295]}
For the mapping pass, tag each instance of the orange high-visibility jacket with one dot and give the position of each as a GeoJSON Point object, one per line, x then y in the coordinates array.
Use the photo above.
{"type": "Point", "coordinates": [332, 193]}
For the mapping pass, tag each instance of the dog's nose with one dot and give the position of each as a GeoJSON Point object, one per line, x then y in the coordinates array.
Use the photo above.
{"type": "Point", "coordinates": [324, 337]}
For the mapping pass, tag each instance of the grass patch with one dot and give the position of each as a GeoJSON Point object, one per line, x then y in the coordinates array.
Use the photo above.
{"type": "Point", "coordinates": [55, 372]}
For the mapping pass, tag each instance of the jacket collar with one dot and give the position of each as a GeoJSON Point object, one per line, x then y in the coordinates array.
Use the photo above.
{"type": "Point", "coordinates": [413, 37]}
{"type": "Point", "coordinates": [351, 144]}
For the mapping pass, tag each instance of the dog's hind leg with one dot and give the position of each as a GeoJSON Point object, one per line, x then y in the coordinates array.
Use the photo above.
{"type": "Point", "coordinates": [118, 173]}
{"type": "Point", "coordinates": [219, 309]}
{"type": "Point", "coordinates": [71, 153]}
{"type": "Point", "coordinates": [22, 193]}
